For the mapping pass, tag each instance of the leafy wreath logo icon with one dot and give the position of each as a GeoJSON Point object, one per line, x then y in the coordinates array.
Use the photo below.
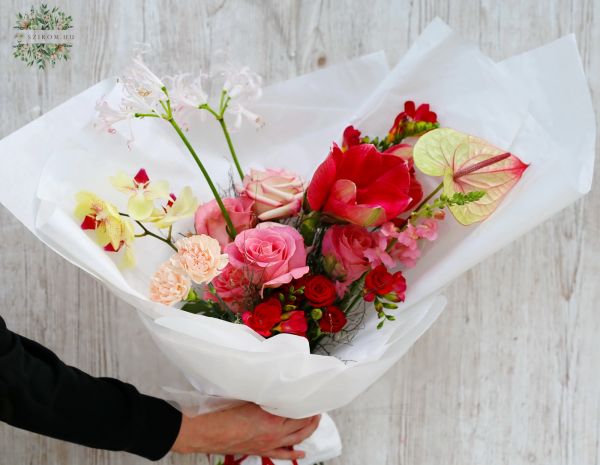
{"type": "Point", "coordinates": [42, 19]}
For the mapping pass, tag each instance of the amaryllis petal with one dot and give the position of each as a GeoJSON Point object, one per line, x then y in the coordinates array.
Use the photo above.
{"type": "Point", "coordinates": [342, 204]}
{"type": "Point", "coordinates": [403, 151]}
{"type": "Point", "coordinates": [322, 179]}
{"type": "Point", "coordinates": [468, 164]}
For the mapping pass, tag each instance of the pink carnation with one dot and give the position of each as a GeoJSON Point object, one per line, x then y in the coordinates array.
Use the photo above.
{"type": "Point", "coordinates": [210, 221]}
{"type": "Point", "coordinates": [169, 285]}
{"type": "Point", "coordinates": [270, 254]}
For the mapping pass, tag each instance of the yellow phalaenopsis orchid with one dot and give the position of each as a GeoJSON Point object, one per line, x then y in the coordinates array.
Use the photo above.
{"type": "Point", "coordinates": [177, 208]}
{"type": "Point", "coordinates": [113, 231]}
{"type": "Point", "coordinates": [142, 192]}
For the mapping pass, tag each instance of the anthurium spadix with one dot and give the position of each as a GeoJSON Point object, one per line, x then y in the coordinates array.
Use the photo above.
{"type": "Point", "coordinates": [467, 164]}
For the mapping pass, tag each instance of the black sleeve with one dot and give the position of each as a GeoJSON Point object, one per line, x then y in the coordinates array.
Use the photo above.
{"type": "Point", "coordinates": [39, 393]}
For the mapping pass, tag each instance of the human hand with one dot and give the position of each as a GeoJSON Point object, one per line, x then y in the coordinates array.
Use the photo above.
{"type": "Point", "coordinates": [246, 429]}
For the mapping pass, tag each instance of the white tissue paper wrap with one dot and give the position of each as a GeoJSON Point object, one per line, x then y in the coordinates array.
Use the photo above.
{"type": "Point", "coordinates": [536, 105]}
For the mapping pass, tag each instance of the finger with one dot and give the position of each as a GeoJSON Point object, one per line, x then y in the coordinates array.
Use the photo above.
{"type": "Point", "coordinates": [291, 425]}
{"type": "Point", "coordinates": [284, 453]}
{"type": "Point", "coordinates": [298, 436]}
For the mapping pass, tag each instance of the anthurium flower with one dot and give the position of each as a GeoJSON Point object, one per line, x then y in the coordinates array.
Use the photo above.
{"type": "Point", "coordinates": [112, 230]}
{"type": "Point", "coordinates": [468, 164]}
{"type": "Point", "coordinates": [361, 186]}
{"type": "Point", "coordinates": [177, 208]}
{"type": "Point", "coordinates": [142, 192]}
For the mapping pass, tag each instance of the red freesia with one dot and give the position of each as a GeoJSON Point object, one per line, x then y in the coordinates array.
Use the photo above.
{"type": "Point", "coordinates": [411, 113]}
{"type": "Point", "coordinates": [294, 323]}
{"type": "Point", "coordinates": [350, 138]}
{"type": "Point", "coordinates": [380, 282]}
{"type": "Point", "coordinates": [264, 316]}
{"type": "Point", "coordinates": [362, 185]}
{"type": "Point", "coordinates": [333, 320]}
{"type": "Point", "coordinates": [319, 291]}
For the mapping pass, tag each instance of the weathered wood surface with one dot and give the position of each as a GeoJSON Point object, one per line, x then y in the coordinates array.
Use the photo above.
{"type": "Point", "coordinates": [508, 374]}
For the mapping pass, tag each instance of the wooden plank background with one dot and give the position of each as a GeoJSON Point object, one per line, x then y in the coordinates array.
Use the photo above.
{"type": "Point", "coordinates": [508, 374]}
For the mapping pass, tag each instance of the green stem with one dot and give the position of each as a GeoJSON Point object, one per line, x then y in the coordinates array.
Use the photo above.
{"type": "Point", "coordinates": [230, 228]}
{"type": "Point", "coordinates": [146, 115]}
{"type": "Point", "coordinates": [428, 198]}
{"type": "Point", "coordinates": [221, 121]}
{"type": "Point", "coordinates": [354, 301]}
{"type": "Point", "coordinates": [357, 297]}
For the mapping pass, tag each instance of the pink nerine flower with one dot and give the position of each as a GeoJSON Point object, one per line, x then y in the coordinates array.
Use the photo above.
{"type": "Point", "coordinates": [344, 249]}
{"type": "Point", "coordinates": [169, 285]}
{"type": "Point", "coordinates": [231, 287]}
{"type": "Point", "coordinates": [269, 255]}
{"type": "Point", "coordinates": [200, 257]}
{"type": "Point", "coordinates": [209, 219]}
{"type": "Point", "coordinates": [276, 193]}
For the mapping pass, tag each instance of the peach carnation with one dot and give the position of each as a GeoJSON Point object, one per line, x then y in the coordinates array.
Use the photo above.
{"type": "Point", "coordinates": [169, 285]}
{"type": "Point", "coordinates": [200, 257]}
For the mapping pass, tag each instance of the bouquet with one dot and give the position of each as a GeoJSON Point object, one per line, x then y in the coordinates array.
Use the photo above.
{"type": "Point", "coordinates": [280, 256]}
{"type": "Point", "coordinates": [265, 266]}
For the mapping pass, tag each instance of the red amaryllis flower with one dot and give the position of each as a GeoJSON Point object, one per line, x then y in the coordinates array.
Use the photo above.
{"type": "Point", "coordinates": [333, 320]}
{"type": "Point", "coordinates": [416, 190]}
{"type": "Point", "coordinates": [350, 138]}
{"type": "Point", "coordinates": [380, 282]}
{"type": "Point", "coordinates": [264, 316]}
{"type": "Point", "coordinates": [294, 323]}
{"type": "Point", "coordinates": [362, 186]}
{"type": "Point", "coordinates": [319, 291]}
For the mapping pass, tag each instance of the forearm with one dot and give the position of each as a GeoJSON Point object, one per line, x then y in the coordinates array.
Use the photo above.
{"type": "Point", "coordinates": [39, 393]}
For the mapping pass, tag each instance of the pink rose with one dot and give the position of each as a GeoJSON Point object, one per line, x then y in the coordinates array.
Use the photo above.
{"type": "Point", "coordinates": [276, 193]}
{"type": "Point", "coordinates": [209, 219]}
{"type": "Point", "coordinates": [231, 286]}
{"type": "Point", "coordinates": [344, 249]}
{"type": "Point", "coordinates": [269, 255]}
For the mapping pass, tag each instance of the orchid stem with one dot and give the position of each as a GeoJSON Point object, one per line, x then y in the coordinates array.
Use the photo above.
{"type": "Point", "coordinates": [147, 232]}
{"type": "Point", "coordinates": [230, 228]}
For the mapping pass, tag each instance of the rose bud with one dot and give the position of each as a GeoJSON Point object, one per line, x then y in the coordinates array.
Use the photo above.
{"type": "Point", "coordinates": [276, 193]}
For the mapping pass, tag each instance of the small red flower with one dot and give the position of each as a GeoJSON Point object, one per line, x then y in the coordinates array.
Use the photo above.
{"type": "Point", "coordinates": [294, 323]}
{"type": "Point", "coordinates": [411, 113]}
{"type": "Point", "coordinates": [351, 137]}
{"type": "Point", "coordinates": [264, 316]}
{"type": "Point", "coordinates": [380, 282]}
{"type": "Point", "coordinates": [319, 291]}
{"type": "Point", "coordinates": [333, 320]}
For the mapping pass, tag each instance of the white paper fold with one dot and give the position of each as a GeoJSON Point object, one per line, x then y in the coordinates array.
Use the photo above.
{"type": "Point", "coordinates": [519, 104]}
